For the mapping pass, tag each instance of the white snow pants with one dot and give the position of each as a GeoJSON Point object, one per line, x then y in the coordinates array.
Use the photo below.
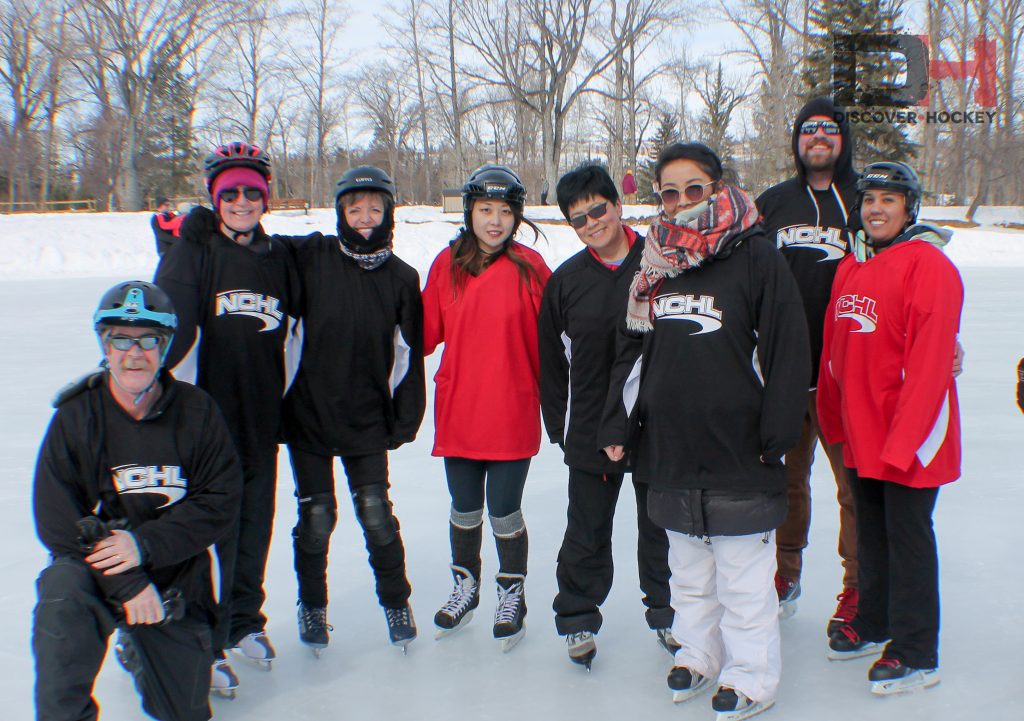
{"type": "Point", "coordinates": [727, 610]}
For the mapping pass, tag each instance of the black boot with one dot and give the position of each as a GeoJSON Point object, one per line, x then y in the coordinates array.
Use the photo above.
{"type": "Point", "coordinates": [466, 547]}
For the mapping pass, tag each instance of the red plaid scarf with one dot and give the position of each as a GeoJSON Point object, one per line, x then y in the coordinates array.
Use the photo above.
{"type": "Point", "coordinates": [685, 242]}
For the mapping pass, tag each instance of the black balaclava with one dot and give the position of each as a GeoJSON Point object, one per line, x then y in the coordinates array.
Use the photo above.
{"type": "Point", "coordinates": [379, 239]}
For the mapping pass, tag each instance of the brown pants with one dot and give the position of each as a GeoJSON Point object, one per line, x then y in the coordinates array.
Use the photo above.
{"type": "Point", "coordinates": [792, 534]}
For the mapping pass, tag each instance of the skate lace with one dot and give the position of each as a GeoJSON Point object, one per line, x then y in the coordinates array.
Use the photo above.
{"type": "Point", "coordinates": [579, 638]}
{"type": "Point", "coordinates": [847, 607]}
{"type": "Point", "coordinates": [508, 603]}
{"type": "Point", "coordinates": [851, 633]}
{"type": "Point", "coordinates": [888, 662]}
{"type": "Point", "coordinates": [315, 618]}
{"type": "Point", "coordinates": [398, 616]}
{"type": "Point", "coordinates": [460, 597]}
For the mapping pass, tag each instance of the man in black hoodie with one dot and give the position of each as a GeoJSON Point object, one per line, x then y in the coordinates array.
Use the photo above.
{"type": "Point", "coordinates": [807, 215]}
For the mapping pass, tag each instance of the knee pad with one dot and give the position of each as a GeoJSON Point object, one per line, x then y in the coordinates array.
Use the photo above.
{"type": "Point", "coordinates": [508, 526]}
{"type": "Point", "coordinates": [318, 515]}
{"type": "Point", "coordinates": [373, 509]}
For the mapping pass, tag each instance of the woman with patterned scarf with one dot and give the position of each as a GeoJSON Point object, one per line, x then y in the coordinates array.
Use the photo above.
{"type": "Point", "coordinates": [707, 394]}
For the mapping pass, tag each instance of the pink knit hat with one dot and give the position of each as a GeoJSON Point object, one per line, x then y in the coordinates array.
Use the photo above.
{"type": "Point", "coordinates": [235, 177]}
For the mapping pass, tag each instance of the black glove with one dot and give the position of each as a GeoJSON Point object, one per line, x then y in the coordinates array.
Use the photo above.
{"type": "Point", "coordinates": [92, 530]}
{"type": "Point", "coordinates": [199, 225]}
{"type": "Point", "coordinates": [1020, 385]}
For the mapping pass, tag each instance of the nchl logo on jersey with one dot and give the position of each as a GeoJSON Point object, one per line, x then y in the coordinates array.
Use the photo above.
{"type": "Point", "coordinates": [859, 308]}
{"type": "Point", "coordinates": [244, 302]}
{"type": "Point", "coordinates": [162, 480]}
{"type": "Point", "coordinates": [829, 241]}
{"type": "Point", "coordinates": [699, 309]}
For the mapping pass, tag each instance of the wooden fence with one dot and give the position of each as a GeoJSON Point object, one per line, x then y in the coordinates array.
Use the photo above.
{"type": "Point", "coordinates": [49, 206]}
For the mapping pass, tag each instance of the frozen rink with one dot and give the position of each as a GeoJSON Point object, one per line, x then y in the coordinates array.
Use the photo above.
{"type": "Point", "coordinates": [52, 272]}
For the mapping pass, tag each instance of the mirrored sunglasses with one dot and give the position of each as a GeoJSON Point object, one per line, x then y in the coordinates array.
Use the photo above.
{"type": "Point", "coordinates": [598, 211]}
{"type": "Point", "coordinates": [692, 193]}
{"type": "Point", "coordinates": [231, 195]}
{"type": "Point", "coordinates": [125, 342]}
{"type": "Point", "coordinates": [827, 126]}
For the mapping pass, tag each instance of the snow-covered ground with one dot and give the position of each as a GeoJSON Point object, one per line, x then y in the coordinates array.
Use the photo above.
{"type": "Point", "coordinates": [52, 271]}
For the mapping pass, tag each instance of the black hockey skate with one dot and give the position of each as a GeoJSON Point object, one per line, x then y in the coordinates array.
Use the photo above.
{"type": "Point", "coordinates": [889, 675]}
{"type": "Point", "coordinates": [846, 644]}
{"type": "Point", "coordinates": [314, 631]}
{"type": "Point", "coordinates": [510, 613]}
{"type": "Point", "coordinates": [458, 609]}
{"type": "Point", "coordinates": [401, 626]}
{"type": "Point", "coordinates": [582, 648]}
{"type": "Point", "coordinates": [732, 705]}
{"type": "Point", "coordinates": [686, 684]}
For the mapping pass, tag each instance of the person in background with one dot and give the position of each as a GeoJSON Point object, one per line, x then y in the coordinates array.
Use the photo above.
{"type": "Point", "coordinates": [359, 392]}
{"type": "Point", "coordinates": [583, 303]}
{"type": "Point", "coordinates": [481, 300]}
{"type": "Point", "coordinates": [629, 187]}
{"type": "Point", "coordinates": [136, 478]}
{"type": "Point", "coordinates": [166, 225]}
{"type": "Point", "coordinates": [707, 393]}
{"type": "Point", "coordinates": [894, 311]}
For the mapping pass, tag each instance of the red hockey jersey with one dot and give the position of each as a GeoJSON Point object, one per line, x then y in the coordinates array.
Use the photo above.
{"type": "Point", "coordinates": [885, 388]}
{"type": "Point", "coordinates": [486, 400]}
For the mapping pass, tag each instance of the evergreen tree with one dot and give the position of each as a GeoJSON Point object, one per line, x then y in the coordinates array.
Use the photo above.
{"type": "Point", "coordinates": [830, 19]}
{"type": "Point", "coordinates": [667, 133]}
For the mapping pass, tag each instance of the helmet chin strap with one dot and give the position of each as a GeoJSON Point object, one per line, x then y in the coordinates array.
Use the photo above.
{"type": "Point", "coordinates": [136, 397]}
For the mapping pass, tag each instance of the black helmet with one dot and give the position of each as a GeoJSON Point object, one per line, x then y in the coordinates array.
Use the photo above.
{"type": "Point", "coordinates": [137, 304]}
{"type": "Point", "coordinates": [365, 177]}
{"type": "Point", "coordinates": [494, 182]}
{"type": "Point", "coordinates": [235, 155]}
{"type": "Point", "coordinates": [891, 175]}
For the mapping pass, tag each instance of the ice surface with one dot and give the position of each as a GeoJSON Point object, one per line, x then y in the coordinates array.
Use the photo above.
{"type": "Point", "coordinates": [53, 269]}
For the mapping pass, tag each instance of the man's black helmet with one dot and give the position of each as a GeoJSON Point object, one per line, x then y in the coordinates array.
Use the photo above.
{"type": "Point", "coordinates": [136, 303]}
{"type": "Point", "coordinates": [895, 176]}
{"type": "Point", "coordinates": [492, 182]}
{"type": "Point", "coordinates": [235, 155]}
{"type": "Point", "coordinates": [365, 177]}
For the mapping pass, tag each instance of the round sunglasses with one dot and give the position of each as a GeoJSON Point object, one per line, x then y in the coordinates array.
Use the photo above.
{"type": "Point", "coordinates": [692, 193]}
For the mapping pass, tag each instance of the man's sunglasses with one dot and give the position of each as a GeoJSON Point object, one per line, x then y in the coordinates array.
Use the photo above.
{"type": "Point", "coordinates": [231, 195]}
{"type": "Point", "coordinates": [125, 342]}
{"type": "Point", "coordinates": [827, 126]}
{"type": "Point", "coordinates": [692, 193]}
{"type": "Point", "coordinates": [598, 211]}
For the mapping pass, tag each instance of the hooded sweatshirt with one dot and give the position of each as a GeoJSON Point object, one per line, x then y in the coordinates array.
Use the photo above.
{"type": "Point", "coordinates": [810, 226]}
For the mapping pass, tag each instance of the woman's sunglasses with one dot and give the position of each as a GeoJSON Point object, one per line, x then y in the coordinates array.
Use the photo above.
{"type": "Point", "coordinates": [692, 193]}
{"type": "Point", "coordinates": [598, 211]}
{"type": "Point", "coordinates": [231, 195]}
{"type": "Point", "coordinates": [125, 342]}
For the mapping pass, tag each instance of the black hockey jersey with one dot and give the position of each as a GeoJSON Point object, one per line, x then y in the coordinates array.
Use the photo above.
{"type": "Point", "coordinates": [583, 303]}
{"type": "Point", "coordinates": [174, 476]}
{"type": "Point", "coordinates": [360, 383]}
{"type": "Point", "coordinates": [235, 314]}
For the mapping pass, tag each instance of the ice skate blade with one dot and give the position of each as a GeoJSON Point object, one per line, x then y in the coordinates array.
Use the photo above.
{"type": "Point", "coordinates": [442, 632]}
{"type": "Point", "coordinates": [510, 642]}
{"type": "Point", "coordinates": [787, 610]}
{"type": "Point", "coordinates": [870, 649]}
{"type": "Point", "coordinates": [917, 681]}
{"type": "Point", "coordinates": [585, 660]}
{"type": "Point", "coordinates": [683, 695]}
{"type": "Point", "coordinates": [403, 645]}
{"type": "Point", "coordinates": [264, 664]}
{"type": "Point", "coordinates": [751, 710]}
{"type": "Point", "coordinates": [226, 693]}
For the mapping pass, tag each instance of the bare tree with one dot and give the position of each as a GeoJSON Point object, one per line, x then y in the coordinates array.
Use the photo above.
{"type": "Point", "coordinates": [315, 67]}
{"type": "Point", "coordinates": [721, 97]}
{"type": "Point", "coordinates": [391, 109]}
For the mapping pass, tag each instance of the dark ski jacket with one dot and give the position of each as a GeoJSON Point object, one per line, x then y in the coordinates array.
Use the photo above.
{"type": "Point", "coordinates": [235, 308]}
{"type": "Point", "coordinates": [360, 383]}
{"type": "Point", "coordinates": [584, 301]}
{"type": "Point", "coordinates": [165, 229]}
{"type": "Point", "coordinates": [710, 400]}
{"type": "Point", "coordinates": [173, 475]}
{"type": "Point", "coordinates": [811, 227]}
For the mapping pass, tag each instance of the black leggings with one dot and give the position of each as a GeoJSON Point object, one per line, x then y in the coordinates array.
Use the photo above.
{"type": "Point", "coordinates": [502, 482]}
